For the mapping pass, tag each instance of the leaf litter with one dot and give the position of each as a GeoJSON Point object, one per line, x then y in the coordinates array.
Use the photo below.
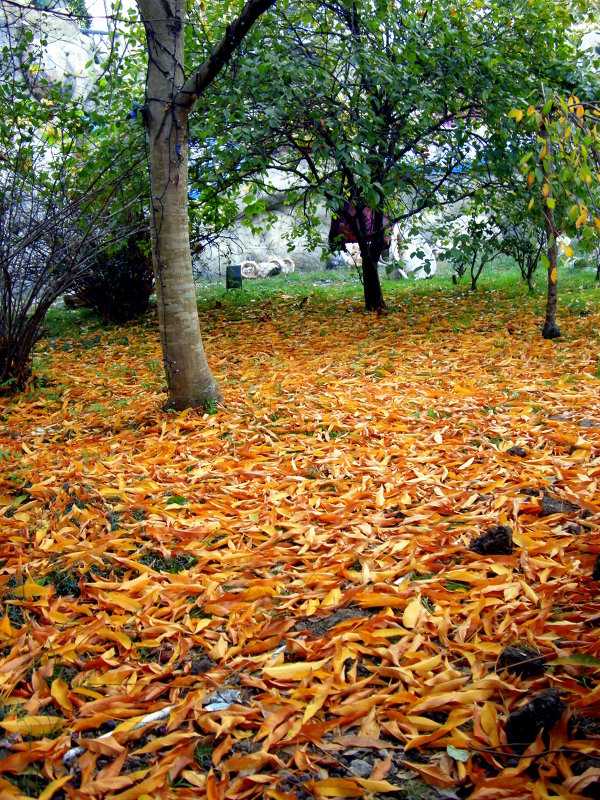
{"type": "Point", "coordinates": [279, 600]}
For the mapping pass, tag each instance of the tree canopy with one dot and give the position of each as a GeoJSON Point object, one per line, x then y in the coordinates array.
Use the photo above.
{"type": "Point", "coordinates": [389, 107]}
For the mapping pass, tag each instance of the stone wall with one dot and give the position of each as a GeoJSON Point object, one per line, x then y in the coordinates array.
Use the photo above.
{"type": "Point", "coordinates": [240, 243]}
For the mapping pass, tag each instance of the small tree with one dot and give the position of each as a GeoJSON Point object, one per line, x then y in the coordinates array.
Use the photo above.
{"type": "Point", "coordinates": [563, 172]}
{"type": "Point", "coordinates": [475, 241]}
{"type": "Point", "coordinates": [525, 243]}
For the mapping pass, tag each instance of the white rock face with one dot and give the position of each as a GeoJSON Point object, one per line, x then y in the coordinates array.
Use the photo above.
{"type": "Point", "coordinates": [590, 40]}
{"type": "Point", "coordinates": [273, 240]}
{"type": "Point", "coordinates": [60, 49]}
{"type": "Point", "coordinates": [413, 255]}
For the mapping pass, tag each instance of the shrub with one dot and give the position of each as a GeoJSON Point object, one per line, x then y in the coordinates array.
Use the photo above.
{"type": "Point", "coordinates": [119, 283]}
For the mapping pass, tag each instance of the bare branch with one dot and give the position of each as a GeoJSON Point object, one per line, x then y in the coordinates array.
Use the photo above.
{"type": "Point", "coordinates": [219, 57]}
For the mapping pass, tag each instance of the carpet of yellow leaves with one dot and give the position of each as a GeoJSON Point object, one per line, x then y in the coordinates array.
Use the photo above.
{"type": "Point", "coordinates": [306, 549]}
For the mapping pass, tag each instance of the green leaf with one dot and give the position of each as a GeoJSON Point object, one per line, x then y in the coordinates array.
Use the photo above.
{"type": "Point", "coordinates": [551, 202]}
{"type": "Point", "coordinates": [576, 660]}
{"type": "Point", "coordinates": [457, 586]}
{"type": "Point", "coordinates": [548, 107]}
{"type": "Point", "coordinates": [457, 754]}
{"type": "Point", "coordinates": [254, 517]}
{"type": "Point", "coordinates": [176, 500]}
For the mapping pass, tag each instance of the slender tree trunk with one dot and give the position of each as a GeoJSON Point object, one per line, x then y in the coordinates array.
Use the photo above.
{"type": "Point", "coordinates": [189, 379]}
{"type": "Point", "coordinates": [170, 98]}
{"type": "Point", "coordinates": [475, 273]}
{"type": "Point", "coordinates": [550, 329]}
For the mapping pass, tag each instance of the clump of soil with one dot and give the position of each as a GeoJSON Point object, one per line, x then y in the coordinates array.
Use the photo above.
{"type": "Point", "coordinates": [497, 541]}
{"type": "Point", "coordinates": [540, 714]}
{"type": "Point", "coordinates": [521, 661]}
{"type": "Point", "coordinates": [554, 505]}
{"type": "Point", "coordinates": [520, 452]}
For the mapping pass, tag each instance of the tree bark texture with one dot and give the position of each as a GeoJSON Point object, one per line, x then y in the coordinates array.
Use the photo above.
{"type": "Point", "coordinates": [550, 329]}
{"type": "Point", "coordinates": [371, 284]}
{"type": "Point", "coordinates": [371, 247]}
{"type": "Point", "coordinates": [170, 97]}
{"type": "Point", "coordinates": [190, 382]}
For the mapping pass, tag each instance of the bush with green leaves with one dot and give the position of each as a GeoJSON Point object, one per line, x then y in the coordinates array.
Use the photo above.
{"type": "Point", "coordinates": [119, 283]}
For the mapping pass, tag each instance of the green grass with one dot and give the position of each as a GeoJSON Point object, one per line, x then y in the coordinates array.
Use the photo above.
{"type": "Point", "coordinates": [578, 296]}
{"type": "Point", "coordinates": [578, 290]}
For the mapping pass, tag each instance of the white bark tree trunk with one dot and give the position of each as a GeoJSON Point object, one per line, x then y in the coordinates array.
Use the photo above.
{"type": "Point", "coordinates": [169, 99]}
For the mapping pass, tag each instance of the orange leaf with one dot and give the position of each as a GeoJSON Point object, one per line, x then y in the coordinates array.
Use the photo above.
{"type": "Point", "coordinates": [338, 787]}
{"type": "Point", "coordinates": [317, 702]}
{"type": "Point", "coordinates": [294, 672]}
{"type": "Point", "coordinates": [60, 692]}
{"type": "Point", "coordinates": [33, 725]}
{"type": "Point", "coordinates": [413, 613]}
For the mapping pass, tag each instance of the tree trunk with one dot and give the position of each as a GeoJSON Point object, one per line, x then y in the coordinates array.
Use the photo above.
{"type": "Point", "coordinates": [475, 273]}
{"type": "Point", "coordinates": [189, 379]}
{"type": "Point", "coordinates": [370, 251]}
{"type": "Point", "coordinates": [371, 285]}
{"type": "Point", "coordinates": [550, 329]}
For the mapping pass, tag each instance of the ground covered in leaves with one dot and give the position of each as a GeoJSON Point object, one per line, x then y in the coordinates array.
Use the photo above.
{"type": "Point", "coordinates": [279, 599]}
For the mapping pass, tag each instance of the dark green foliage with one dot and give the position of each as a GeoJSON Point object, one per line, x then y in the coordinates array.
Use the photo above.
{"type": "Point", "coordinates": [118, 285]}
{"type": "Point", "coordinates": [65, 582]}
{"type": "Point", "coordinates": [171, 564]}
{"type": "Point", "coordinates": [77, 7]}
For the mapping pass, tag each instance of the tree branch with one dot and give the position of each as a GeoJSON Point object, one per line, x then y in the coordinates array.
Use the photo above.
{"type": "Point", "coordinates": [221, 54]}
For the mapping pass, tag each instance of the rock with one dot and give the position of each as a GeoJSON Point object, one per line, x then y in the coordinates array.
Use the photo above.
{"type": "Point", "coordinates": [596, 570]}
{"type": "Point", "coordinates": [269, 233]}
{"type": "Point", "coordinates": [521, 661]}
{"type": "Point", "coordinates": [520, 452]}
{"type": "Point", "coordinates": [60, 49]}
{"type": "Point", "coordinates": [554, 505]}
{"type": "Point", "coordinates": [496, 541]}
{"type": "Point", "coordinates": [272, 266]}
{"type": "Point", "coordinates": [222, 699]}
{"type": "Point", "coordinates": [530, 491]}
{"type": "Point", "coordinates": [361, 767]}
{"type": "Point", "coordinates": [588, 423]}
{"type": "Point", "coordinates": [540, 714]}
{"type": "Point", "coordinates": [414, 253]}
{"type": "Point", "coordinates": [398, 273]}
{"type": "Point", "coordinates": [319, 626]}
{"type": "Point", "coordinates": [336, 261]}
{"type": "Point", "coordinates": [201, 665]}
{"type": "Point", "coordinates": [573, 528]}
